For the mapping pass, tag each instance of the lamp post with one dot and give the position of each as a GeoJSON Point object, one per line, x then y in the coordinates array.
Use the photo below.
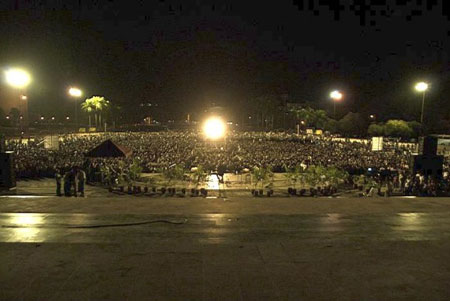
{"type": "Point", "coordinates": [19, 79]}
{"type": "Point", "coordinates": [335, 96]}
{"type": "Point", "coordinates": [422, 87]}
{"type": "Point", "coordinates": [75, 93]}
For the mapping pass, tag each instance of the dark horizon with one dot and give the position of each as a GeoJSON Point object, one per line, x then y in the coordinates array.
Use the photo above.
{"type": "Point", "coordinates": [185, 56]}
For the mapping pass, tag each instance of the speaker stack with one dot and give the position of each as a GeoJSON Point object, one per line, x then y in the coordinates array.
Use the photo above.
{"type": "Point", "coordinates": [7, 174]}
{"type": "Point", "coordinates": [427, 161]}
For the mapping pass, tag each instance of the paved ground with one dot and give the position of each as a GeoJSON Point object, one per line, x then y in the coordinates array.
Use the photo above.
{"type": "Point", "coordinates": [136, 248]}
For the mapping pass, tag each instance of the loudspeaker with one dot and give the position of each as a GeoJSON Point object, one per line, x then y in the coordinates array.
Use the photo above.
{"type": "Point", "coordinates": [7, 174]}
{"type": "Point", "coordinates": [428, 165]}
{"type": "Point", "coordinates": [2, 143]}
{"type": "Point", "coordinates": [428, 145]}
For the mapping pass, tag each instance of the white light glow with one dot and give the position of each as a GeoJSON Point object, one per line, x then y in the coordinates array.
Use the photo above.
{"type": "Point", "coordinates": [214, 128]}
{"type": "Point", "coordinates": [75, 92]}
{"type": "Point", "coordinates": [421, 87]}
{"type": "Point", "coordinates": [336, 95]}
{"type": "Point", "coordinates": [17, 78]}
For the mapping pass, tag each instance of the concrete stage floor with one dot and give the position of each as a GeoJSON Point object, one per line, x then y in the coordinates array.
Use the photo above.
{"type": "Point", "coordinates": [108, 247]}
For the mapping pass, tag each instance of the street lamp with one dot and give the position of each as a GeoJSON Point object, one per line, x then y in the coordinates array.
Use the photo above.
{"type": "Point", "coordinates": [335, 96]}
{"type": "Point", "coordinates": [422, 87]}
{"type": "Point", "coordinates": [75, 93]}
{"type": "Point", "coordinates": [17, 78]}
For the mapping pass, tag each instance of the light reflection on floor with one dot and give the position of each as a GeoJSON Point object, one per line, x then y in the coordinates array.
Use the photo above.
{"type": "Point", "coordinates": [13, 196]}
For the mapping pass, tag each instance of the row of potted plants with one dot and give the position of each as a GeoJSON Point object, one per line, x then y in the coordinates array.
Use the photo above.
{"type": "Point", "coordinates": [163, 191]}
{"type": "Point", "coordinates": [313, 180]}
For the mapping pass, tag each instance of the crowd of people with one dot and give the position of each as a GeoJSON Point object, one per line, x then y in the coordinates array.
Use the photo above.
{"type": "Point", "coordinates": [236, 152]}
{"type": "Point", "coordinates": [189, 149]}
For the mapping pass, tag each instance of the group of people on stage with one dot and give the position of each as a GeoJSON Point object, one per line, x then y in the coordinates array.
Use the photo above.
{"type": "Point", "coordinates": [73, 182]}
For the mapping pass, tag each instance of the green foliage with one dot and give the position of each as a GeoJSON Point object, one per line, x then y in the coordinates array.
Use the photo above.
{"type": "Point", "coordinates": [311, 117]}
{"type": "Point", "coordinates": [398, 128]}
{"type": "Point", "coordinates": [198, 176]}
{"type": "Point", "coordinates": [331, 126]}
{"type": "Point", "coordinates": [352, 124]}
{"type": "Point", "coordinates": [175, 173]}
{"type": "Point", "coordinates": [135, 170]}
{"type": "Point", "coordinates": [261, 175]}
{"type": "Point", "coordinates": [376, 130]}
{"type": "Point", "coordinates": [295, 175]}
{"type": "Point", "coordinates": [324, 176]}
{"type": "Point", "coordinates": [395, 128]}
{"type": "Point", "coordinates": [415, 127]}
{"type": "Point", "coordinates": [95, 104]}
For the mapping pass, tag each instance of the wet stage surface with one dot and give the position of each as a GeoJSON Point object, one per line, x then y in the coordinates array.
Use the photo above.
{"type": "Point", "coordinates": [219, 228]}
{"type": "Point", "coordinates": [225, 256]}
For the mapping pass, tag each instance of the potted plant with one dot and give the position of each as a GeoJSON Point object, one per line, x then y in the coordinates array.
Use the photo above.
{"type": "Point", "coordinates": [197, 177]}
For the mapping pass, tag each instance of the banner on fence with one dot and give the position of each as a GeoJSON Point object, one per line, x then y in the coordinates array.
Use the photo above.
{"type": "Point", "coordinates": [377, 143]}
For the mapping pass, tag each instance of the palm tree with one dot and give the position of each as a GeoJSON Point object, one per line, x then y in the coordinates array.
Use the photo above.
{"type": "Point", "coordinates": [101, 105]}
{"type": "Point", "coordinates": [95, 104]}
{"type": "Point", "coordinates": [88, 107]}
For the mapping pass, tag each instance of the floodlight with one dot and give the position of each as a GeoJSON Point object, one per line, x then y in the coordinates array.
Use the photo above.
{"type": "Point", "coordinates": [214, 128]}
{"type": "Point", "coordinates": [17, 78]}
{"type": "Point", "coordinates": [75, 92]}
{"type": "Point", "coordinates": [421, 87]}
{"type": "Point", "coordinates": [336, 95]}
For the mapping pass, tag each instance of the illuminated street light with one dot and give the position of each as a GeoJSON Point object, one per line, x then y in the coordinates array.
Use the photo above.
{"type": "Point", "coordinates": [17, 78]}
{"type": "Point", "coordinates": [422, 87]}
{"type": "Point", "coordinates": [214, 128]}
{"type": "Point", "coordinates": [76, 93]}
{"type": "Point", "coordinates": [53, 117]}
{"type": "Point", "coordinates": [7, 117]}
{"type": "Point", "coordinates": [67, 117]}
{"type": "Point", "coordinates": [42, 118]}
{"type": "Point", "coordinates": [335, 96]}
{"type": "Point", "coordinates": [23, 97]}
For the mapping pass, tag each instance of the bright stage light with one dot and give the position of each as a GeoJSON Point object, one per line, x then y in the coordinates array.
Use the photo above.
{"type": "Point", "coordinates": [214, 128]}
{"type": "Point", "coordinates": [17, 78]}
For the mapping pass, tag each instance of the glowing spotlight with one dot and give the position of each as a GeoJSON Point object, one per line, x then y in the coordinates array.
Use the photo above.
{"type": "Point", "coordinates": [214, 128]}
{"type": "Point", "coordinates": [17, 78]}
{"type": "Point", "coordinates": [421, 87]}
{"type": "Point", "coordinates": [75, 92]}
{"type": "Point", "coordinates": [336, 95]}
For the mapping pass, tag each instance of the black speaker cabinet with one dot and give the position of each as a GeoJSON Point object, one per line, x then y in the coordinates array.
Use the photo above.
{"type": "Point", "coordinates": [7, 174]}
{"type": "Point", "coordinates": [428, 165]}
{"type": "Point", "coordinates": [2, 143]}
{"type": "Point", "coordinates": [428, 145]}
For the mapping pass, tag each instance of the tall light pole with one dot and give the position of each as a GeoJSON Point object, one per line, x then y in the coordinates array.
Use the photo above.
{"type": "Point", "coordinates": [19, 79]}
{"type": "Point", "coordinates": [422, 87]}
{"type": "Point", "coordinates": [335, 96]}
{"type": "Point", "coordinates": [75, 93]}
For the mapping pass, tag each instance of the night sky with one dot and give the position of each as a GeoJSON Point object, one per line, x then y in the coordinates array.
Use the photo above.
{"type": "Point", "coordinates": [186, 54]}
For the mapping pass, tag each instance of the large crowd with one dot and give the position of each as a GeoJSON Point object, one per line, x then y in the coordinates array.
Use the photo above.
{"type": "Point", "coordinates": [238, 151]}
{"type": "Point", "coordinates": [189, 149]}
